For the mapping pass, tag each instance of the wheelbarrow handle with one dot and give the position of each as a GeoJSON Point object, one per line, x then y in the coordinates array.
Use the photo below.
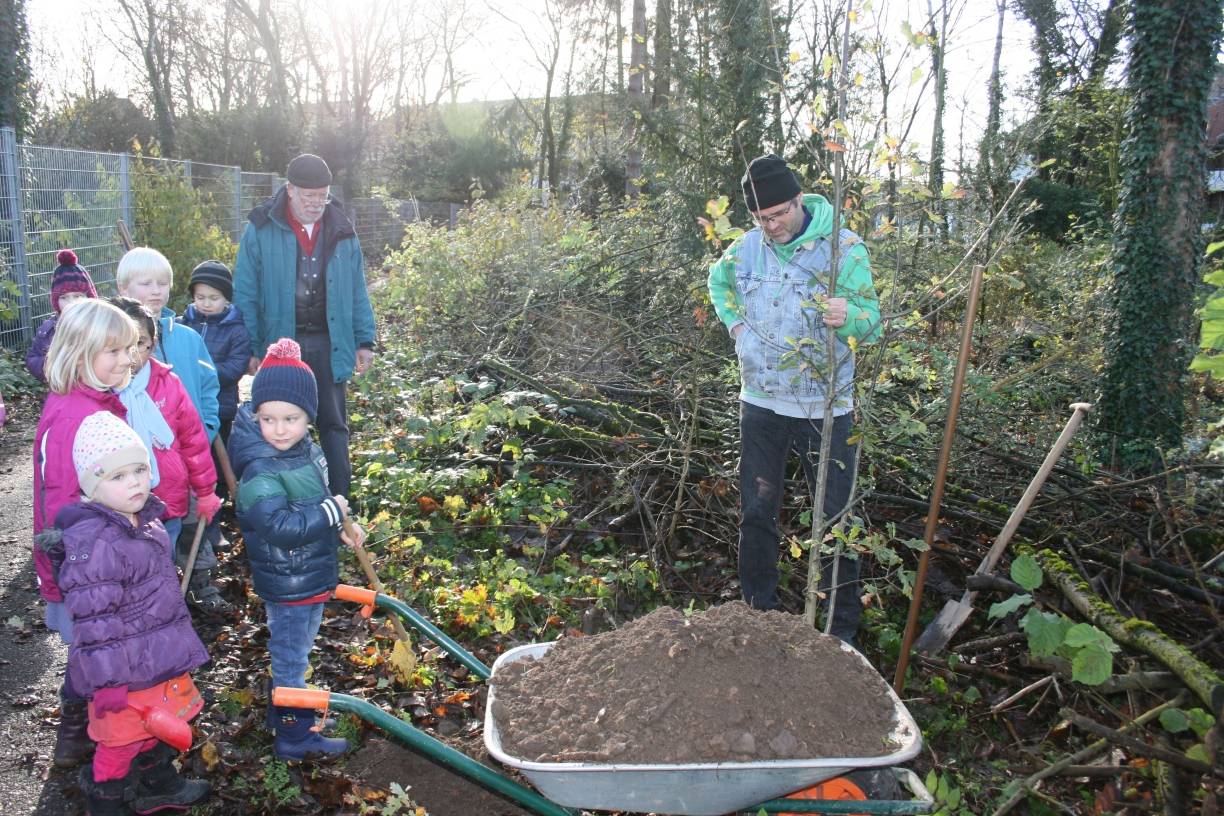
{"type": "Point", "coordinates": [301, 698]}
{"type": "Point", "coordinates": [366, 597]}
{"type": "Point", "coordinates": [400, 611]}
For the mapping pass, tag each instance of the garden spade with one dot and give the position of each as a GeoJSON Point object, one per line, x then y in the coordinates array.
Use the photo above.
{"type": "Point", "coordinates": [954, 614]}
{"type": "Point", "coordinates": [402, 657]}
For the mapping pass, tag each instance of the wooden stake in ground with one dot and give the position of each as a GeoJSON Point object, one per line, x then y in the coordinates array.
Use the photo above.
{"type": "Point", "coordinates": [958, 383]}
{"type": "Point", "coordinates": [954, 614]}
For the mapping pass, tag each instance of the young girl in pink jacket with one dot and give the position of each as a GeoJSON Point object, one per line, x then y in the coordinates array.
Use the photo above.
{"type": "Point", "coordinates": [90, 357]}
{"type": "Point", "coordinates": [160, 410]}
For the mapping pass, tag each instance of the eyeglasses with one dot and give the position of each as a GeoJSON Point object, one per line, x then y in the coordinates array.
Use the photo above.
{"type": "Point", "coordinates": [770, 220]}
{"type": "Point", "coordinates": [313, 198]}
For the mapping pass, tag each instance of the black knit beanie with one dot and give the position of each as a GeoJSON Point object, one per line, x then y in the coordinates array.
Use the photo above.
{"type": "Point", "coordinates": [309, 171]}
{"type": "Point", "coordinates": [768, 183]}
{"type": "Point", "coordinates": [214, 274]}
{"type": "Point", "coordinates": [283, 377]}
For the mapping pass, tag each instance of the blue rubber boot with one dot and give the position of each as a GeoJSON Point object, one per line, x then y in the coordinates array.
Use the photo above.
{"type": "Point", "coordinates": [295, 739]}
{"type": "Point", "coordinates": [273, 715]}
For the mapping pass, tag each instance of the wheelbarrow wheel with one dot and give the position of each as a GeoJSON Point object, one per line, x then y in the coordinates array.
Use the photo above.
{"type": "Point", "coordinates": [877, 783]}
{"type": "Point", "coordinates": [837, 789]}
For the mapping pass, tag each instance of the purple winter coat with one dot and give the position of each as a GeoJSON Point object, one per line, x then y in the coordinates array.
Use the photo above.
{"type": "Point", "coordinates": [36, 357]}
{"type": "Point", "coordinates": [130, 625]}
{"type": "Point", "coordinates": [55, 478]}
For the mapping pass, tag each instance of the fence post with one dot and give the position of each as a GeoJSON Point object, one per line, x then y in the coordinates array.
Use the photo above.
{"type": "Point", "coordinates": [237, 203]}
{"type": "Point", "coordinates": [125, 191]}
{"type": "Point", "coordinates": [10, 213]}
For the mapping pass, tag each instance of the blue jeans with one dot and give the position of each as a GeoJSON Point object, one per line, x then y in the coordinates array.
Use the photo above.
{"type": "Point", "coordinates": [292, 629]}
{"type": "Point", "coordinates": [173, 528]}
{"type": "Point", "coordinates": [766, 442]}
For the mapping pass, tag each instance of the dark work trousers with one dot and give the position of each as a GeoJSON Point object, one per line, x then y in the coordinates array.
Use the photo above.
{"type": "Point", "coordinates": [766, 441]}
{"type": "Point", "coordinates": [332, 420]}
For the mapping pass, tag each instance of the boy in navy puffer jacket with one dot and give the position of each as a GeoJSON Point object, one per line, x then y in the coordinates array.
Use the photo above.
{"type": "Point", "coordinates": [291, 528]}
{"type": "Point", "coordinates": [225, 335]}
{"type": "Point", "coordinates": [133, 646]}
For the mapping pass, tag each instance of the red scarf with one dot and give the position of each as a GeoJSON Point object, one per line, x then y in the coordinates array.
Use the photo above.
{"type": "Point", "coordinates": [306, 240]}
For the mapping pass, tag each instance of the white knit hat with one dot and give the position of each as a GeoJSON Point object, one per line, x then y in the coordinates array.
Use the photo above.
{"type": "Point", "coordinates": [103, 444]}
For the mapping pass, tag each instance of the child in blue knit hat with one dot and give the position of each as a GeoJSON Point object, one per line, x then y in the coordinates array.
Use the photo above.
{"type": "Point", "coordinates": [291, 528]}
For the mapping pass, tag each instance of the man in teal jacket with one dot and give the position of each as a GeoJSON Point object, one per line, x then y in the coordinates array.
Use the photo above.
{"type": "Point", "coordinates": [300, 274]}
{"type": "Point", "coordinates": [771, 289]}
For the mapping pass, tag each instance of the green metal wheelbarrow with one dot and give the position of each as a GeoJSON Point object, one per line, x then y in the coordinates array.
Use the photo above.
{"type": "Point", "coordinates": [565, 788]}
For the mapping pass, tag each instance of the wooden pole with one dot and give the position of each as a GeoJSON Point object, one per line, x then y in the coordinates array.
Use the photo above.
{"type": "Point", "coordinates": [958, 383]}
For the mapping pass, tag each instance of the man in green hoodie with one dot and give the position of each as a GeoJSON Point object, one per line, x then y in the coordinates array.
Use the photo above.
{"type": "Point", "coordinates": [771, 289]}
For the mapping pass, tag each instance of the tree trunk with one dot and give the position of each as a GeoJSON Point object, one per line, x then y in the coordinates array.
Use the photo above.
{"type": "Point", "coordinates": [936, 179]}
{"type": "Point", "coordinates": [1158, 242]}
{"type": "Point", "coordinates": [990, 159]}
{"type": "Point", "coordinates": [661, 87]}
{"type": "Point", "coordinates": [636, 100]}
{"type": "Point", "coordinates": [1043, 15]}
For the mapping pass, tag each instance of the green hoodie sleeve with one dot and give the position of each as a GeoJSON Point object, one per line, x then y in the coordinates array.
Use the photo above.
{"type": "Point", "coordinates": [862, 305]}
{"type": "Point", "coordinates": [721, 283]}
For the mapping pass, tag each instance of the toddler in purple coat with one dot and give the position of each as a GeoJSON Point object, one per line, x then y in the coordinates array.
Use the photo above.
{"type": "Point", "coordinates": [133, 646]}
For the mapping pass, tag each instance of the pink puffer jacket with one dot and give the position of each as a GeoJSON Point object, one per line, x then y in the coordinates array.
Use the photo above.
{"type": "Point", "coordinates": [186, 467]}
{"type": "Point", "coordinates": [55, 479]}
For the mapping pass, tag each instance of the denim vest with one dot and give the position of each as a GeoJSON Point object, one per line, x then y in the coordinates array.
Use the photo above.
{"type": "Point", "coordinates": [782, 350]}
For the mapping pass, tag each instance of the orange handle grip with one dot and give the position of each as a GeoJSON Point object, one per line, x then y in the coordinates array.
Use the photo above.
{"type": "Point", "coordinates": [301, 698]}
{"type": "Point", "coordinates": [361, 595]}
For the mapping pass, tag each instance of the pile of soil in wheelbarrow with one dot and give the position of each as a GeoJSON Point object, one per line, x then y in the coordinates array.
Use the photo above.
{"type": "Point", "coordinates": [731, 684]}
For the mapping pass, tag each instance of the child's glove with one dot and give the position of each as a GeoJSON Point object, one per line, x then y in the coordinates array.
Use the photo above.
{"type": "Point", "coordinates": [110, 700]}
{"type": "Point", "coordinates": [207, 507]}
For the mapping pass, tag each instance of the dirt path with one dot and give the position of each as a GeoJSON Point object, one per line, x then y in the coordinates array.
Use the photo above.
{"type": "Point", "coordinates": [31, 658]}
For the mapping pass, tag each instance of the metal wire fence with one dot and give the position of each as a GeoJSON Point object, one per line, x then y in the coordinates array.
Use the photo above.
{"type": "Point", "coordinates": [52, 198]}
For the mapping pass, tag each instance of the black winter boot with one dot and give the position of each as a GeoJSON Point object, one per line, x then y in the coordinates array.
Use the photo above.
{"type": "Point", "coordinates": [206, 598]}
{"type": "Point", "coordinates": [104, 798]}
{"type": "Point", "coordinates": [72, 742]}
{"type": "Point", "coordinates": [159, 786]}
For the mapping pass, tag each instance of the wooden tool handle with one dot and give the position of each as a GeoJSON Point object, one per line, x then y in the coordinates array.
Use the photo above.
{"type": "Point", "coordinates": [124, 235]}
{"type": "Point", "coordinates": [227, 470]}
{"type": "Point", "coordinates": [1078, 409]}
{"type": "Point", "coordinates": [191, 556]}
{"type": "Point", "coordinates": [367, 566]}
